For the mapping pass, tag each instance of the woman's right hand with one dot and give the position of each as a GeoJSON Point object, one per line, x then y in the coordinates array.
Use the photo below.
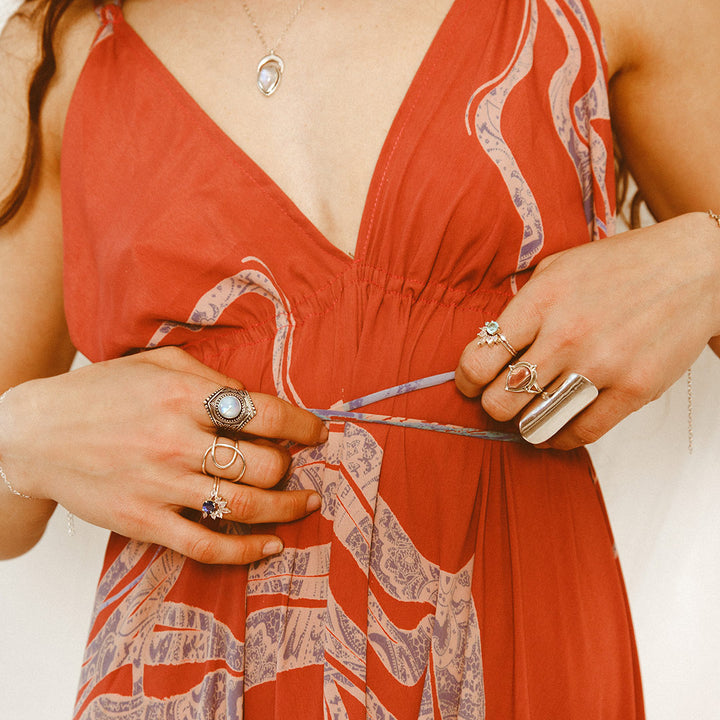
{"type": "Point", "coordinates": [121, 443]}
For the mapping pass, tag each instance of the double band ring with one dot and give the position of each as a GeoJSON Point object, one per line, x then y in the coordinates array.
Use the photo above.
{"type": "Point", "coordinates": [522, 377]}
{"type": "Point", "coordinates": [215, 506]}
{"type": "Point", "coordinates": [230, 409]}
{"type": "Point", "coordinates": [490, 334]}
{"type": "Point", "coordinates": [211, 453]}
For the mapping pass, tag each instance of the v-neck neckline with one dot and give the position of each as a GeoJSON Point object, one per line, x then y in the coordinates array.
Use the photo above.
{"type": "Point", "coordinates": [382, 163]}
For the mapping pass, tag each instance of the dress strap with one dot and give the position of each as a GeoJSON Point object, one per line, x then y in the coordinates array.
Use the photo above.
{"type": "Point", "coordinates": [109, 12]}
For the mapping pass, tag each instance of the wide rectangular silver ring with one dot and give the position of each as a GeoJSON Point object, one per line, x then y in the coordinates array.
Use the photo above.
{"type": "Point", "coordinates": [545, 417]}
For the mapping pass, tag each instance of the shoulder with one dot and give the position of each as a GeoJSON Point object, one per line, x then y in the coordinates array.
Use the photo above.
{"type": "Point", "coordinates": [663, 57]}
{"type": "Point", "coordinates": [656, 36]}
{"type": "Point", "coordinates": [20, 51]}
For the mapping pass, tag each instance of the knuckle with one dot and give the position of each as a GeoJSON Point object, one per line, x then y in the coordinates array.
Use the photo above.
{"type": "Point", "coordinates": [637, 388]}
{"type": "Point", "coordinates": [270, 467]}
{"type": "Point", "coordinates": [567, 337]}
{"type": "Point", "coordinates": [243, 502]}
{"type": "Point", "coordinates": [202, 549]}
{"type": "Point", "coordinates": [496, 406]}
{"type": "Point", "coordinates": [127, 515]}
{"type": "Point", "coordinates": [172, 393]}
{"type": "Point", "coordinates": [170, 356]}
{"type": "Point", "coordinates": [296, 504]}
{"type": "Point", "coordinates": [472, 366]}
{"type": "Point", "coordinates": [586, 434]}
{"type": "Point", "coordinates": [273, 418]}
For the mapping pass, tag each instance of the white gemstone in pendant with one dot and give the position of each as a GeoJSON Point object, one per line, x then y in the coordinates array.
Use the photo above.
{"type": "Point", "coordinates": [269, 72]}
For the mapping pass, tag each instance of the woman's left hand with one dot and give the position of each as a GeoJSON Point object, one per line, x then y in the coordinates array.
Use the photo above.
{"type": "Point", "coordinates": [631, 313]}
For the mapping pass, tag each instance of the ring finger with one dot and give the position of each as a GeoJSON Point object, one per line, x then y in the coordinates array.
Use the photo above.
{"type": "Point", "coordinates": [238, 502]}
{"type": "Point", "coordinates": [517, 385]}
{"type": "Point", "coordinates": [261, 463]}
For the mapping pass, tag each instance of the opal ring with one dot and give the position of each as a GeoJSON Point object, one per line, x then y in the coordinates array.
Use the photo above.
{"type": "Point", "coordinates": [211, 453]}
{"type": "Point", "coordinates": [214, 505]}
{"type": "Point", "coordinates": [230, 409]}
{"type": "Point", "coordinates": [490, 334]}
{"type": "Point", "coordinates": [522, 377]}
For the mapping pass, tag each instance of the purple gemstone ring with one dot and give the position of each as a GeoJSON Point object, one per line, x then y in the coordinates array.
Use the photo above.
{"type": "Point", "coordinates": [215, 506]}
{"type": "Point", "coordinates": [490, 334]}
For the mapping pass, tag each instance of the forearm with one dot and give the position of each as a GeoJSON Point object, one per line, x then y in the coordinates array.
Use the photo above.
{"type": "Point", "coordinates": [22, 518]}
{"type": "Point", "coordinates": [23, 522]}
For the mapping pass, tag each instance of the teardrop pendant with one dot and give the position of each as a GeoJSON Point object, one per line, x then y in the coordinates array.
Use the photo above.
{"type": "Point", "coordinates": [269, 73]}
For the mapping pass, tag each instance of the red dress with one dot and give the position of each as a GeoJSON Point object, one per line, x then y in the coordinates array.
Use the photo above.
{"type": "Point", "coordinates": [445, 576]}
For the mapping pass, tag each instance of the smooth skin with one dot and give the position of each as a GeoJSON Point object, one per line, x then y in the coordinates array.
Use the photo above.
{"type": "Point", "coordinates": [632, 312]}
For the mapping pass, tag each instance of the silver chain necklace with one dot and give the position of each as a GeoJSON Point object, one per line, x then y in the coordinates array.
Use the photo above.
{"type": "Point", "coordinates": [271, 67]}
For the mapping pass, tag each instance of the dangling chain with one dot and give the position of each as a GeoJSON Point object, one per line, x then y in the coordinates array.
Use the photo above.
{"type": "Point", "coordinates": [690, 410]}
{"type": "Point", "coordinates": [716, 218]}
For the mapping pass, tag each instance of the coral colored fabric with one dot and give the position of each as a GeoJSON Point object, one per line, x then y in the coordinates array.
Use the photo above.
{"type": "Point", "coordinates": [444, 577]}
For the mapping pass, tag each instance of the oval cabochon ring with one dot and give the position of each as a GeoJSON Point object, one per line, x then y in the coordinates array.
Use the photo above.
{"type": "Point", "coordinates": [230, 409]}
{"type": "Point", "coordinates": [522, 377]}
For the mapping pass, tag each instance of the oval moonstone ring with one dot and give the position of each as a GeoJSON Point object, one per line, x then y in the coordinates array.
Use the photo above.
{"type": "Point", "coordinates": [230, 409]}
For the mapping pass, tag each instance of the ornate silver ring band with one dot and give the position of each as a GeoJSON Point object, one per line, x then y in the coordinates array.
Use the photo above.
{"type": "Point", "coordinates": [490, 334]}
{"type": "Point", "coordinates": [237, 454]}
{"type": "Point", "coordinates": [556, 408]}
{"type": "Point", "coordinates": [215, 506]}
{"type": "Point", "coordinates": [230, 409]}
{"type": "Point", "coordinates": [522, 377]}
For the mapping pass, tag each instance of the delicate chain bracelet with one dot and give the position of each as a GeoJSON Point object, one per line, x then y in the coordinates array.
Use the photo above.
{"type": "Point", "coordinates": [2, 472]}
{"type": "Point", "coordinates": [70, 516]}
{"type": "Point", "coordinates": [714, 216]}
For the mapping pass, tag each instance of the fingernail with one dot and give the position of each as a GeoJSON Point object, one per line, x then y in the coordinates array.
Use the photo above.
{"type": "Point", "coordinates": [324, 434]}
{"type": "Point", "coordinates": [313, 502]}
{"type": "Point", "coordinates": [272, 547]}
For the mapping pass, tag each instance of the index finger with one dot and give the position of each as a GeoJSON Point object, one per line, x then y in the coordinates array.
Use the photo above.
{"type": "Point", "coordinates": [495, 345]}
{"type": "Point", "coordinates": [272, 417]}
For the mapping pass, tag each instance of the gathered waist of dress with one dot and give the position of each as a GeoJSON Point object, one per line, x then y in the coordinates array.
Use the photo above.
{"type": "Point", "coordinates": [348, 411]}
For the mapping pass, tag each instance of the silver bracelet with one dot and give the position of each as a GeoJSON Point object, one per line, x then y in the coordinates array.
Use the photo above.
{"type": "Point", "coordinates": [2, 472]}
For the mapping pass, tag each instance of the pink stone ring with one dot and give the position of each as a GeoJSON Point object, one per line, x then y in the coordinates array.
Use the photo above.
{"type": "Point", "coordinates": [490, 334]}
{"type": "Point", "coordinates": [522, 377]}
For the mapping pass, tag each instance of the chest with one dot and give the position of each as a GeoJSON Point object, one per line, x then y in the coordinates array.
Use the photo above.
{"type": "Point", "coordinates": [347, 68]}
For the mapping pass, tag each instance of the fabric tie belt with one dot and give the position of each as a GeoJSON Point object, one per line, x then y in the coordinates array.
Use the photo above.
{"type": "Point", "coordinates": [347, 411]}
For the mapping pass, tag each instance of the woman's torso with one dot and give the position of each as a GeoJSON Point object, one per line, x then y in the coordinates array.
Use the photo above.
{"type": "Point", "coordinates": [178, 231]}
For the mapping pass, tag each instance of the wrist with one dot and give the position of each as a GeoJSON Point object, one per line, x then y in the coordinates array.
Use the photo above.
{"type": "Point", "coordinates": [713, 219]}
{"type": "Point", "coordinates": [704, 231]}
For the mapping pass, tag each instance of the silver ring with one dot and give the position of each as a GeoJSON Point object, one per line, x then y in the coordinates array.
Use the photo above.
{"type": "Point", "coordinates": [490, 334]}
{"type": "Point", "coordinates": [230, 409]}
{"type": "Point", "coordinates": [211, 453]}
{"type": "Point", "coordinates": [522, 377]}
{"type": "Point", "coordinates": [214, 505]}
{"type": "Point", "coordinates": [556, 408]}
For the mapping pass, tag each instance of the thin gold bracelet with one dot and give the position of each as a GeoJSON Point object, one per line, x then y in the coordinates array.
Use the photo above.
{"type": "Point", "coordinates": [2, 472]}
{"type": "Point", "coordinates": [714, 216]}
{"type": "Point", "coordinates": [70, 519]}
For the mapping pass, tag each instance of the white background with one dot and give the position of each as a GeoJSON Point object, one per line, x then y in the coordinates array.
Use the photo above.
{"type": "Point", "coordinates": [664, 505]}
